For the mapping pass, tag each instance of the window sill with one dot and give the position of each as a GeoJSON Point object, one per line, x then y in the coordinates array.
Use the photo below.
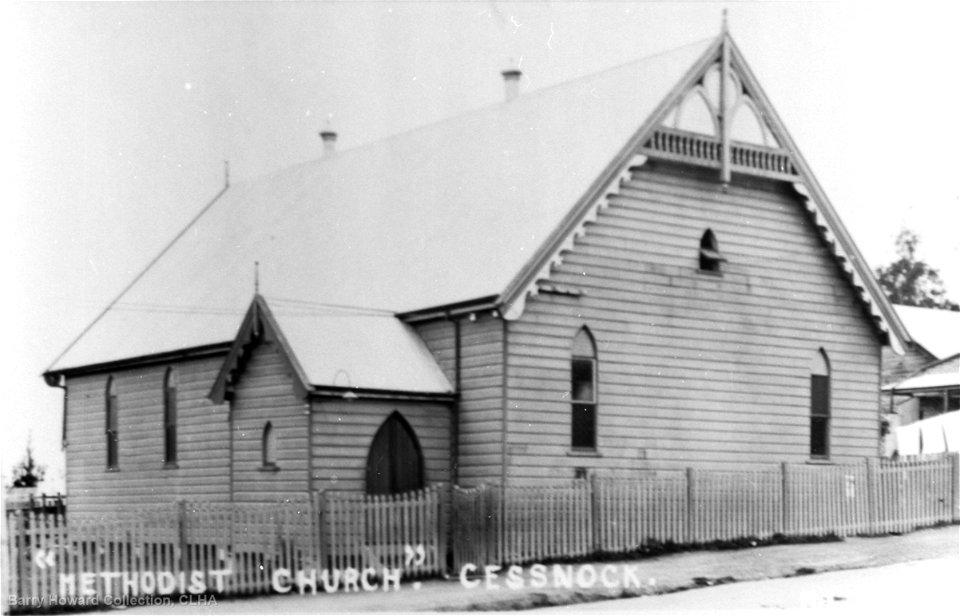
{"type": "Point", "coordinates": [821, 461]}
{"type": "Point", "coordinates": [710, 273]}
{"type": "Point", "coordinates": [584, 453]}
{"type": "Point", "coordinates": [269, 468]}
{"type": "Point", "coordinates": [113, 469]}
{"type": "Point", "coordinates": [170, 465]}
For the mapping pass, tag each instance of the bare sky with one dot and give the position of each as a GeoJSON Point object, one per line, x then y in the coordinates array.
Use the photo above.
{"type": "Point", "coordinates": [121, 115]}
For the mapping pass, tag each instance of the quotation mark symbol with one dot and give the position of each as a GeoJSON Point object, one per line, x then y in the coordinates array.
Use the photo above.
{"type": "Point", "coordinates": [414, 556]}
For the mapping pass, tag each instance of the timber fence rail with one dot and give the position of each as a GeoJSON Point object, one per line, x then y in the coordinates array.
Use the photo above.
{"type": "Point", "coordinates": [625, 514]}
{"type": "Point", "coordinates": [198, 548]}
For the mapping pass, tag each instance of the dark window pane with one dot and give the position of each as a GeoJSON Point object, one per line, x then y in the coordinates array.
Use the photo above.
{"type": "Point", "coordinates": [584, 429]}
{"type": "Point", "coordinates": [820, 395]}
{"type": "Point", "coordinates": [581, 387]}
{"type": "Point", "coordinates": [112, 432]}
{"type": "Point", "coordinates": [819, 429]}
{"type": "Point", "coordinates": [170, 424]}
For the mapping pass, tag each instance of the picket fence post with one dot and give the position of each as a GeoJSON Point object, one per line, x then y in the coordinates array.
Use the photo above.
{"type": "Point", "coordinates": [786, 502]}
{"type": "Point", "coordinates": [691, 505]}
{"type": "Point", "coordinates": [595, 521]}
{"type": "Point", "coordinates": [955, 486]}
{"type": "Point", "coordinates": [873, 496]}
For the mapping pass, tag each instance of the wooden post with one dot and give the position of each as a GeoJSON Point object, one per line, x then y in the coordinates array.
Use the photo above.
{"type": "Point", "coordinates": [873, 496]}
{"type": "Point", "coordinates": [955, 486]}
{"type": "Point", "coordinates": [724, 121]}
{"type": "Point", "coordinates": [182, 532]}
{"type": "Point", "coordinates": [595, 512]}
{"type": "Point", "coordinates": [444, 550]}
{"type": "Point", "coordinates": [785, 501]}
{"type": "Point", "coordinates": [691, 505]}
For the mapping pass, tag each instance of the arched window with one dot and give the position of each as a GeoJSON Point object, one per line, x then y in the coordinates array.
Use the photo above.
{"type": "Point", "coordinates": [170, 417]}
{"type": "Point", "coordinates": [710, 257]}
{"type": "Point", "coordinates": [269, 446]}
{"type": "Point", "coordinates": [583, 391]}
{"type": "Point", "coordinates": [113, 437]}
{"type": "Point", "coordinates": [395, 460]}
{"type": "Point", "coordinates": [820, 406]}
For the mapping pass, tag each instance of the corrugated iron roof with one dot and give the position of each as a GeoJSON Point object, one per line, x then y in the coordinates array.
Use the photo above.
{"type": "Point", "coordinates": [938, 331]}
{"type": "Point", "coordinates": [359, 350]}
{"type": "Point", "coordinates": [445, 213]}
{"type": "Point", "coordinates": [926, 381]}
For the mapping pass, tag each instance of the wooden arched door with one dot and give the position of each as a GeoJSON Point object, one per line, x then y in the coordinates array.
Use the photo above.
{"type": "Point", "coordinates": [395, 461]}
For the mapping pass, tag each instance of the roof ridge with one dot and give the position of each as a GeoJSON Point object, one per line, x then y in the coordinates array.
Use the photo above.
{"type": "Point", "coordinates": [539, 92]}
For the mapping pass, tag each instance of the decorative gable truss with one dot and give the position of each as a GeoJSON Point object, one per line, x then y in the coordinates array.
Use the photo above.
{"type": "Point", "coordinates": [695, 128]}
{"type": "Point", "coordinates": [718, 117]}
{"type": "Point", "coordinates": [258, 326]}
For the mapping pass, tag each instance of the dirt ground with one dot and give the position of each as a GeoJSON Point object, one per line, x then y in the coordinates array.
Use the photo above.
{"type": "Point", "coordinates": [916, 587]}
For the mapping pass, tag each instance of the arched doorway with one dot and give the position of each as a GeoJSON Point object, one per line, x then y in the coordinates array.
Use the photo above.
{"type": "Point", "coordinates": [395, 462]}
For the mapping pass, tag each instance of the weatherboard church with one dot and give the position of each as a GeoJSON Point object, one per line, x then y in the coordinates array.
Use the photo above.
{"type": "Point", "coordinates": [632, 271]}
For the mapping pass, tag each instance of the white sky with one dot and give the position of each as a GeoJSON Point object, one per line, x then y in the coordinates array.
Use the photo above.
{"type": "Point", "coordinates": [121, 115]}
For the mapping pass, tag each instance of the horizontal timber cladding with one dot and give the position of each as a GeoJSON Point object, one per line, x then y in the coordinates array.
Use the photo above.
{"type": "Point", "coordinates": [480, 428]}
{"type": "Point", "coordinates": [203, 456]}
{"type": "Point", "coordinates": [693, 368]}
{"type": "Point", "coordinates": [265, 393]}
{"type": "Point", "coordinates": [343, 430]}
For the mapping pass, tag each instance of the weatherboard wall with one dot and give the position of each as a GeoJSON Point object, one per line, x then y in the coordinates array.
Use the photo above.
{"type": "Point", "coordinates": [693, 368]}
{"type": "Point", "coordinates": [343, 430]}
{"type": "Point", "coordinates": [265, 393]}
{"type": "Point", "coordinates": [202, 471]}
{"type": "Point", "coordinates": [480, 405]}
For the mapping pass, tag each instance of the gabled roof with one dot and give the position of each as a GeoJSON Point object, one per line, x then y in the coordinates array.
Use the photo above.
{"type": "Point", "coordinates": [478, 206]}
{"type": "Point", "coordinates": [937, 331]}
{"type": "Point", "coordinates": [331, 350]}
{"type": "Point", "coordinates": [937, 375]}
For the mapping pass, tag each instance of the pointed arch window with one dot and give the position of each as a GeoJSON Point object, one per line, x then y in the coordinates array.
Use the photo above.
{"type": "Point", "coordinates": [170, 417]}
{"type": "Point", "coordinates": [710, 257]}
{"type": "Point", "coordinates": [268, 447]}
{"type": "Point", "coordinates": [112, 424]}
{"type": "Point", "coordinates": [820, 406]}
{"type": "Point", "coordinates": [583, 391]}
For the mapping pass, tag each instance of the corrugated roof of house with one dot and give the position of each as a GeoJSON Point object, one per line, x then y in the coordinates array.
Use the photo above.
{"type": "Point", "coordinates": [938, 331]}
{"type": "Point", "coordinates": [926, 381]}
{"type": "Point", "coordinates": [444, 213]}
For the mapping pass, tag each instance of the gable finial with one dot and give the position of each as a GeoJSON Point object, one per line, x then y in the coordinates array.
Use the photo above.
{"type": "Point", "coordinates": [256, 278]}
{"type": "Point", "coordinates": [723, 26]}
{"type": "Point", "coordinates": [226, 174]}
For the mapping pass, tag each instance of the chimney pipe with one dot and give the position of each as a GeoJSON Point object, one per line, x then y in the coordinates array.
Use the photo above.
{"type": "Point", "coordinates": [329, 137]}
{"type": "Point", "coordinates": [511, 82]}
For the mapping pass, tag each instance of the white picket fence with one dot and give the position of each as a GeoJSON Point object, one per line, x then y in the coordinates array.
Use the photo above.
{"type": "Point", "coordinates": [233, 549]}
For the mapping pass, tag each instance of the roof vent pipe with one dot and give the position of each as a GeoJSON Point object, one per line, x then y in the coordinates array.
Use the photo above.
{"type": "Point", "coordinates": [511, 81]}
{"type": "Point", "coordinates": [329, 137]}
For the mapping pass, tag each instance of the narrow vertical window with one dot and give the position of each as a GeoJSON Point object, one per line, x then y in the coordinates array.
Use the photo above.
{"type": "Point", "coordinates": [113, 440]}
{"type": "Point", "coordinates": [583, 391]}
{"type": "Point", "coordinates": [820, 406]}
{"type": "Point", "coordinates": [710, 257]}
{"type": "Point", "coordinates": [170, 418]}
{"type": "Point", "coordinates": [269, 446]}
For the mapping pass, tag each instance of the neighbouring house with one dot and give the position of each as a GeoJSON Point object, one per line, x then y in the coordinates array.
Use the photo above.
{"type": "Point", "coordinates": [917, 405]}
{"type": "Point", "coordinates": [931, 391]}
{"type": "Point", "coordinates": [925, 380]}
{"type": "Point", "coordinates": [934, 334]}
{"type": "Point", "coordinates": [635, 270]}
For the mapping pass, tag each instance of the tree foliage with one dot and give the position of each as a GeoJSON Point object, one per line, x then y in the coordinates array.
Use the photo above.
{"type": "Point", "coordinates": [912, 282]}
{"type": "Point", "coordinates": [28, 473]}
